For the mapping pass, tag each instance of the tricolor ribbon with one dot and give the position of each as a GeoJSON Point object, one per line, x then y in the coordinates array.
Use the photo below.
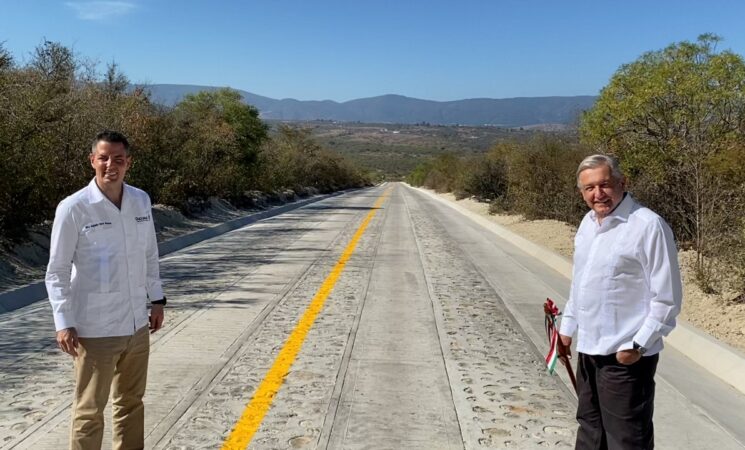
{"type": "Point", "coordinates": [551, 311]}
{"type": "Point", "coordinates": [556, 351]}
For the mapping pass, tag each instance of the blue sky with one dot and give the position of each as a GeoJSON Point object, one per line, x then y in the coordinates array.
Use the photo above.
{"type": "Point", "coordinates": [341, 50]}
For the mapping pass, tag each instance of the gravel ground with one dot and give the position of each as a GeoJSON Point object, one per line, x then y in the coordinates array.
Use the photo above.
{"type": "Point", "coordinates": [35, 380]}
{"type": "Point", "coordinates": [500, 391]}
{"type": "Point", "coordinates": [500, 387]}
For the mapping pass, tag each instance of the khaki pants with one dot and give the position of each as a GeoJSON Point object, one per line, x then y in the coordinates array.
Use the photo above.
{"type": "Point", "coordinates": [102, 364]}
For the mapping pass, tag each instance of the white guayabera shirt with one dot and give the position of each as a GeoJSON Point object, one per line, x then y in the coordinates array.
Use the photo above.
{"type": "Point", "coordinates": [103, 263]}
{"type": "Point", "coordinates": [626, 283]}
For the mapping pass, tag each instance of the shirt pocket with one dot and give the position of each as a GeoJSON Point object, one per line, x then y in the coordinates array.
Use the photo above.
{"type": "Point", "coordinates": [627, 284]}
{"type": "Point", "coordinates": [143, 226]}
{"type": "Point", "coordinates": [97, 257]}
{"type": "Point", "coordinates": [612, 308]}
{"type": "Point", "coordinates": [97, 237]}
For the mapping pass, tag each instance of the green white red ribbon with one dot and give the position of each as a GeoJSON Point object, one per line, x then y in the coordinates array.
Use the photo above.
{"type": "Point", "coordinates": [552, 311]}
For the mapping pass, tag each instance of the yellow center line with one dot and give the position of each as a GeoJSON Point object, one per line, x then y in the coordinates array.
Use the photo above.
{"type": "Point", "coordinates": [257, 408]}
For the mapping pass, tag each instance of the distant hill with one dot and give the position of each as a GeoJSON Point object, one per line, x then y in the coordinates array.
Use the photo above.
{"type": "Point", "coordinates": [510, 112]}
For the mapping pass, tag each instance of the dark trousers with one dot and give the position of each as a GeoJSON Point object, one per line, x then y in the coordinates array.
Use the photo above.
{"type": "Point", "coordinates": [615, 403]}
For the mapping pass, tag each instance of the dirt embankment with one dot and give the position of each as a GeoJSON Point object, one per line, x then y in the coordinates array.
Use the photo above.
{"type": "Point", "coordinates": [715, 314]}
{"type": "Point", "coordinates": [25, 263]}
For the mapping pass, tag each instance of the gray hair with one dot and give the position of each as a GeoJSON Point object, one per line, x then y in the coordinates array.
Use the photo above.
{"type": "Point", "coordinates": [595, 161]}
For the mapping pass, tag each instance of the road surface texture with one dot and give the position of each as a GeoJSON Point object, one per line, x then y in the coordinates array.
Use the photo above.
{"type": "Point", "coordinates": [376, 319]}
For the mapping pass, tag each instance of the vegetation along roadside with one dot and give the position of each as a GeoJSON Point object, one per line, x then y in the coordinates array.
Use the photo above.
{"type": "Point", "coordinates": [209, 145]}
{"type": "Point", "coordinates": [675, 118]}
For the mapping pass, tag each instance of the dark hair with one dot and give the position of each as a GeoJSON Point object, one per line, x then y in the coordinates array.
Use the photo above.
{"type": "Point", "coordinates": [111, 137]}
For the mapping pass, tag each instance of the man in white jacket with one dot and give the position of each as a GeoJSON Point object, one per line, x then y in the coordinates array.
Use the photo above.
{"type": "Point", "coordinates": [103, 269]}
{"type": "Point", "coordinates": [626, 293]}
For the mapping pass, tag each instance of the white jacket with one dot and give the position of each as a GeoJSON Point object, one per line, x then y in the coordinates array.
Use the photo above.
{"type": "Point", "coordinates": [103, 263]}
{"type": "Point", "coordinates": [626, 283]}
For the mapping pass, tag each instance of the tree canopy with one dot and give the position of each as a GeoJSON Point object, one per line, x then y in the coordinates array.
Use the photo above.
{"type": "Point", "coordinates": [676, 119]}
{"type": "Point", "coordinates": [210, 144]}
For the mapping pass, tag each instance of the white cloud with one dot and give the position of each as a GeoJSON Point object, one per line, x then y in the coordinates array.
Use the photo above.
{"type": "Point", "coordinates": [100, 10]}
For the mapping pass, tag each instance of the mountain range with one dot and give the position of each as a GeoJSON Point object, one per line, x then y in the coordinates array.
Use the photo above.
{"type": "Point", "coordinates": [508, 112]}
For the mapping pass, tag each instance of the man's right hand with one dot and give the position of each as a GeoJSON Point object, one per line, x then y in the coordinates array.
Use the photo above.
{"type": "Point", "coordinates": [565, 346]}
{"type": "Point", "coordinates": [67, 340]}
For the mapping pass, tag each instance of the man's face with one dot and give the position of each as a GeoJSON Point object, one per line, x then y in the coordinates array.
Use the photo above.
{"type": "Point", "coordinates": [111, 162]}
{"type": "Point", "coordinates": [600, 191]}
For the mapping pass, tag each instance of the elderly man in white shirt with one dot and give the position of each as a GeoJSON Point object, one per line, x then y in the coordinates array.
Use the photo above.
{"type": "Point", "coordinates": [103, 268]}
{"type": "Point", "coordinates": [626, 292]}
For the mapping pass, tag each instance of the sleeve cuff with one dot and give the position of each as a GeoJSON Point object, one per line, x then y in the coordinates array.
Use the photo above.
{"type": "Point", "coordinates": [155, 291]}
{"type": "Point", "coordinates": [646, 336]}
{"type": "Point", "coordinates": [61, 322]}
{"type": "Point", "coordinates": [629, 345]}
{"type": "Point", "coordinates": [568, 326]}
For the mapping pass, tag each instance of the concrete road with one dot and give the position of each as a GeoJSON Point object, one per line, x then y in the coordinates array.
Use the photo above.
{"type": "Point", "coordinates": [376, 319]}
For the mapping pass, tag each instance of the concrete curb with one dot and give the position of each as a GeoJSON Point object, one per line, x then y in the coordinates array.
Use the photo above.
{"type": "Point", "coordinates": [719, 358]}
{"type": "Point", "coordinates": [24, 296]}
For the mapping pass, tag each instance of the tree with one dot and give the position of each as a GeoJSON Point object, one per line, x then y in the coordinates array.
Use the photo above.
{"type": "Point", "coordinates": [6, 59]}
{"type": "Point", "coordinates": [220, 137]}
{"type": "Point", "coordinates": [541, 182]}
{"type": "Point", "coordinates": [292, 159]}
{"type": "Point", "coordinates": [54, 63]}
{"type": "Point", "coordinates": [49, 111]}
{"type": "Point", "coordinates": [287, 158]}
{"type": "Point", "coordinates": [486, 176]}
{"type": "Point", "coordinates": [668, 116]}
{"type": "Point", "coordinates": [115, 83]}
{"type": "Point", "coordinates": [39, 136]}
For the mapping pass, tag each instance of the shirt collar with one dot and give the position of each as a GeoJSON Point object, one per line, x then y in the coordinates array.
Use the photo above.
{"type": "Point", "coordinates": [95, 195]}
{"type": "Point", "coordinates": [619, 213]}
